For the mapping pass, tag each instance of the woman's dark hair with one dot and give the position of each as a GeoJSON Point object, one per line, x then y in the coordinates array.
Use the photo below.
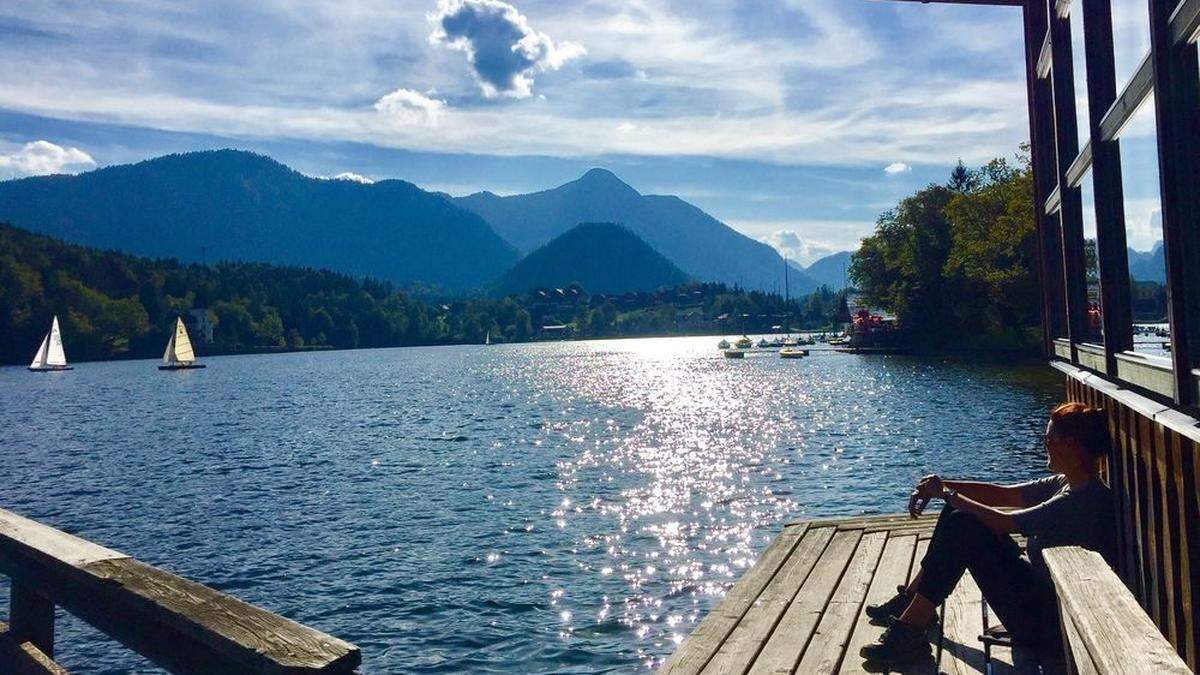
{"type": "Point", "coordinates": [1085, 424]}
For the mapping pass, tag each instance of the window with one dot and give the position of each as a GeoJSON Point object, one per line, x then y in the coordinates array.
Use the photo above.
{"type": "Point", "coordinates": [1131, 37]}
{"type": "Point", "coordinates": [1079, 70]}
{"type": "Point", "coordinates": [1144, 231]}
{"type": "Point", "coordinates": [1093, 324]}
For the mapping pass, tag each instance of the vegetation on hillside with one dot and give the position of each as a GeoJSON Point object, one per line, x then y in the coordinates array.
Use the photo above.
{"type": "Point", "coordinates": [113, 305]}
{"type": "Point", "coordinates": [601, 257]}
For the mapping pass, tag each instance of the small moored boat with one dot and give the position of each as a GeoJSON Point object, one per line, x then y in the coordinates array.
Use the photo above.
{"type": "Point", "coordinates": [50, 356]}
{"type": "Point", "coordinates": [734, 354]}
{"type": "Point", "coordinates": [792, 353]}
{"type": "Point", "coordinates": [744, 343]}
{"type": "Point", "coordinates": [179, 354]}
{"type": "Point", "coordinates": [723, 344]}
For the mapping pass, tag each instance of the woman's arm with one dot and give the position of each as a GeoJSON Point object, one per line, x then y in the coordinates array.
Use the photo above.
{"type": "Point", "coordinates": [995, 519]}
{"type": "Point", "coordinates": [988, 494]}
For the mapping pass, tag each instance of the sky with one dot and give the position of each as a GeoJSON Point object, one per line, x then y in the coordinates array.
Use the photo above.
{"type": "Point", "coordinates": [795, 121]}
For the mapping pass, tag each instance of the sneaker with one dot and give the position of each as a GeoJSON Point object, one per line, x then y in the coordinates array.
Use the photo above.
{"type": "Point", "coordinates": [891, 609]}
{"type": "Point", "coordinates": [900, 644]}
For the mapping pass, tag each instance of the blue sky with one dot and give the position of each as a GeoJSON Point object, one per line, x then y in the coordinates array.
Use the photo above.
{"type": "Point", "coordinates": [795, 121]}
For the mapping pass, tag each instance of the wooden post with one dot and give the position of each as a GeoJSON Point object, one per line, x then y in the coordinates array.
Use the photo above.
{"type": "Point", "coordinates": [1111, 251]}
{"type": "Point", "coordinates": [1041, 136]}
{"type": "Point", "coordinates": [1067, 146]}
{"type": "Point", "coordinates": [1177, 100]}
{"type": "Point", "coordinates": [31, 618]}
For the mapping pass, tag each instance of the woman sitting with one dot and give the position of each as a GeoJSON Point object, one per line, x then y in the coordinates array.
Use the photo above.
{"type": "Point", "coordinates": [1072, 507]}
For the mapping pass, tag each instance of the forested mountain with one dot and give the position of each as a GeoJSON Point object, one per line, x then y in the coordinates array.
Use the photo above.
{"type": "Point", "coordinates": [601, 257]}
{"type": "Point", "coordinates": [1148, 265]}
{"type": "Point", "coordinates": [831, 271]}
{"type": "Point", "coordinates": [702, 246]}
{"type": "Point", "coordinates": [239, 206]}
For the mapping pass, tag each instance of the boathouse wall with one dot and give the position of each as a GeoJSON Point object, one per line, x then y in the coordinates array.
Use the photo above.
{"type": "Point", "coordinates": [1152, 470]}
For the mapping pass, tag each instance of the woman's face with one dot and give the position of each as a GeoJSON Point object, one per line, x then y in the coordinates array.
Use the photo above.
{"type": "Point", "coordinates": [1060, 451]}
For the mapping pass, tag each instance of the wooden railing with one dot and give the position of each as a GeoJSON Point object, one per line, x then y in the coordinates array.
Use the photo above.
{"type": "Point", "coordinates": [180, 625]}
{"type": "Point", "coordinates": [1153, 471]}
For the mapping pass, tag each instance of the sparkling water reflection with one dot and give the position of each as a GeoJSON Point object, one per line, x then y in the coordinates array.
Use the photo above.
{"type": "Point", "coordinates": [550, 507]}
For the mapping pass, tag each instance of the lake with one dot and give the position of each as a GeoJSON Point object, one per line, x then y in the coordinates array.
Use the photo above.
{"type": "Point", "coordinates": [572, 506]}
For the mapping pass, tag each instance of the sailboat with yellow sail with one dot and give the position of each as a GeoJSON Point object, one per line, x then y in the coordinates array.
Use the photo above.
{"type": "Point", "coordinates": [50, 357]}
{"type": "Point", "coordinates": [179, 354]}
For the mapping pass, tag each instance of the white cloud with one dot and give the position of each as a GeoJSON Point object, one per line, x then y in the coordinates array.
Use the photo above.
{"type": "Point", "coordinates": [895, 168]}
{"type": "Point", "coordinates": [408, 107]}
{"type": "Point", "coordinates": [503, 49]}
{"type": "Point", "coordinates": [806, 240]}
{"type": "Point", "coordinates": [353, 177]}
{"type": "Point", "coordinates": [43, 157]}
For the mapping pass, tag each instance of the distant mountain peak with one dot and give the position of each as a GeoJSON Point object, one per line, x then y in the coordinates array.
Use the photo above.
{"type": "Point", "coordinates": [603, 179]}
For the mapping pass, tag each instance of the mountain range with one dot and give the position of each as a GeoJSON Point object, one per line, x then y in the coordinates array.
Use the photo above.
{"type": "Point", "coordinates": [240, 206]}
{"type": "Point", "coordinates": [702, 246]}
{"type": "Point", "coordinates": [233, 205]}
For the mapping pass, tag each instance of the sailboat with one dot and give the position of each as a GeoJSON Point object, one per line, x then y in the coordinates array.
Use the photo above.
{"type": "Point", "coordinates": [179, 354]}
{"type": "Point", "coordinates": [487, 339]}
{"type": "Point", "coordinates": [50, 356]}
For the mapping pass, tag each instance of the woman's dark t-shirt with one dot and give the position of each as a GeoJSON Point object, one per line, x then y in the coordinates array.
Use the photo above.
{"type": "Point", "coordinates": [1062, 516]}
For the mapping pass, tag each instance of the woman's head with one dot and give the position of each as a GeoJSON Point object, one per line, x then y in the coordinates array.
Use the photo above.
{"type": "Point", "coordinates": [1076, 437]}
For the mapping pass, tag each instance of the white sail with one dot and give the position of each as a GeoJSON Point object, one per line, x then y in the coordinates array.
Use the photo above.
{"type": "Point", "coordinates": [55, 356]}
{"type": "Point", "coordinates": [181, 345]}
{"type": "Point", "coordinates": [39, 358]}
{"type": "Point", "coordinates": [169, 352]}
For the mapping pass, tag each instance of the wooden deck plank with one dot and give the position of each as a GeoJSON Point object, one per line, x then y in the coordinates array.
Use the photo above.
{"type": "Point", "coordinates": [752, 630]}
{"type": "Point", "coordinates": [962, 621]}
{"type": "Point", "coordinates": [787, 642]}
{"type": "Point", "coordinates": [702, 644]}
{"type": "Point", "coordinates": [828, 644]}
{"type": "Point", "coordinates": [892, 571]}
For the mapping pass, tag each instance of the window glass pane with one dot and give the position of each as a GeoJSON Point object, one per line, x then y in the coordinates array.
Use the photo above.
{"type": "Point", "coordinates": [1079, 68]}
{"type": "Point", "coordinates": [1092, 322]}
{"type": "Point", "coordinates": [1131, 37]}
{"type": "Point", "coordinates": [1144, 232]}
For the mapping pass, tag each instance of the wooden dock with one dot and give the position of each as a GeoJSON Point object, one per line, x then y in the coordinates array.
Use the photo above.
{"type": "Point", "coordinates": [799, 609]}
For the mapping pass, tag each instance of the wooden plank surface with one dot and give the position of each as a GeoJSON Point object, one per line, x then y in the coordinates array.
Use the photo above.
{"type": "Point", "coordinates": [828, 643]}
{"type": "Point", "coordinates": [1117, 634]}
{"type": "Point", "coordinates": [752, 631]}
{"type": "Point", "coordinates": [785, 645]}
{"type": "Point", "coordinates": [891, 572]}
{"type": "Point", "coordinates": [702, 643]}
{"type": "Point", "coordinates": [962, 618]}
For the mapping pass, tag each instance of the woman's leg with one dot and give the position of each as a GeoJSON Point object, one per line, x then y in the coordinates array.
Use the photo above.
{"type": "Point", "coordinates": [958, 540]}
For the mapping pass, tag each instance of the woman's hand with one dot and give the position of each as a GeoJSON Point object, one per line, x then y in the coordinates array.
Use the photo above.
{"type": "Point", "coordinates": [927, 488]}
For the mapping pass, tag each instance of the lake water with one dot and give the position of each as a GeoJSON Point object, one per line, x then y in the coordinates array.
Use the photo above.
{"type": "Point", "coordinates": [517, 508]}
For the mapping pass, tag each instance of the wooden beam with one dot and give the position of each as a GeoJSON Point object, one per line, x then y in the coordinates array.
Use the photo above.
{"type": "Point", "coordinates": [1185, 23]}
{"type": "Point", "coordinates": [178, 624]}
{"type": "Point", "coordinates": [1080, 166]}
{"type": "Point", "coordinates": [1176, 99]}
{"type": "Point", "coordinates": [1131, 98]}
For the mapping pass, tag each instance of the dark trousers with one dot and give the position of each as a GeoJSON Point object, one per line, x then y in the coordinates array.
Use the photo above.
{"type": "Point", "coordinates": [1023, 600]}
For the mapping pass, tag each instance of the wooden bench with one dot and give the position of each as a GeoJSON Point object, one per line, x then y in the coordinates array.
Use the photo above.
{"type": "Point", "coordinates": [1105, 629]}
{"type": "Point", "coordinates": [181, 625]}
